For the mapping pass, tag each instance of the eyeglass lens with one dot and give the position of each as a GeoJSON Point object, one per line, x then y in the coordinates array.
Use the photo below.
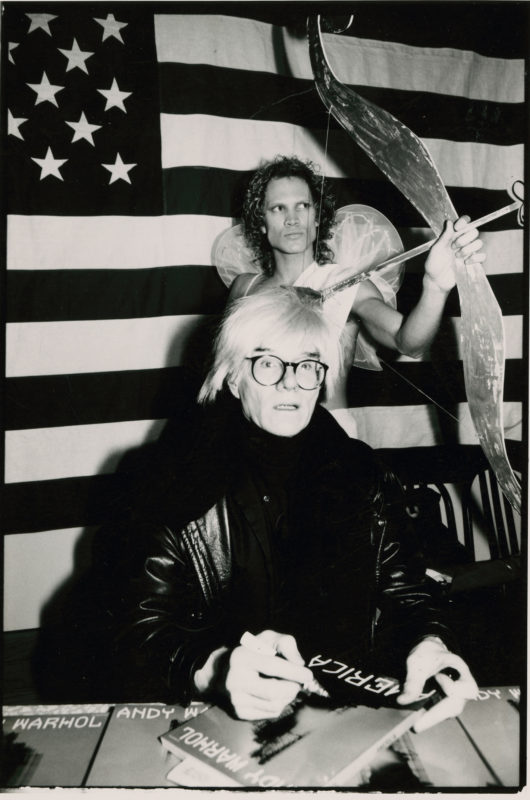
{"type": "Point", "coordinates": [269, 370]}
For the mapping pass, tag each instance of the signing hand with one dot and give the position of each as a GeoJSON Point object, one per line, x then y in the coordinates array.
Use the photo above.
{"type": "Point", "coordinates": [455, 242]}
{"type": "Point", "coordinates": [427, 660]}
{"type": "Point", "coordinates": [261, 684]}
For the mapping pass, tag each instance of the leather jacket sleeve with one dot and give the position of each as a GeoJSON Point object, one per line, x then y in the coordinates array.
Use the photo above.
{"type": "Point", "coordinates": [163, 628]}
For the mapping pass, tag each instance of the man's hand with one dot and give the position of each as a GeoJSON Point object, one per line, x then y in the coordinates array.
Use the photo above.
{"type": "Point", "coordinates": [455, 242]}
{"type": "Point", "coordinates": [427, 660]}
{"type": "Point", "coordinates": [261, 684]}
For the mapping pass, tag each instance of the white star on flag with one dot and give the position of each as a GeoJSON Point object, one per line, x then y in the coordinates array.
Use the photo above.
{"type": "Point", "coordinates": [76, 57]}
{"type": "Point", "coordinates": [13, 124]}
{"type": "Point", "coordinates": [119, 170]}
{"type": "Point", "coordinates": [50, 165]}
{"type": "Point", "coordinates": [41, 21]}
{"type": "Point", "coordinates": [114, 96]}
{"type": "Point", "coordinates": [11, 46]}
{"type": "Point", "coordinates": [111, 27]}
{"type": "Point", "coordinates": [45, 90]}
{"type": "Point", "coordinates": [83, 129]}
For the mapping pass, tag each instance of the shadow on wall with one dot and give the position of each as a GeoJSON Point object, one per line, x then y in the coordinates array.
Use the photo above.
{"type": "Point", "coordinates": [68, 662]}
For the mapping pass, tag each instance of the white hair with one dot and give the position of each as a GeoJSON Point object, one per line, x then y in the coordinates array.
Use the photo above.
{"type": "Point", "coordinates": [269, 319]}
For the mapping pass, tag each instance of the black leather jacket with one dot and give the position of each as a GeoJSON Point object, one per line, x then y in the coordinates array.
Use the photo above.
{"type": "Point", "coordinates": [175, 594]}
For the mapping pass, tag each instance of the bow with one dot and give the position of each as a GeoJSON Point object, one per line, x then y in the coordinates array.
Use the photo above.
{"type": "Point", "coordinates": [407, 163]}
{"type": "Point", "coordinates": [400, 258]}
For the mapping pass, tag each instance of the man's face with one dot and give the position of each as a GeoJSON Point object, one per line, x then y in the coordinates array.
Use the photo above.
{"type": "Point", "coordinates": [283, 409]}
{"type": "Point", "coordinates": [289, 216]}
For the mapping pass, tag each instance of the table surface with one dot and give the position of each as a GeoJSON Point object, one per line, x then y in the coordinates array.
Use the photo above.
{"type": "Point", "coordinates": [118, 745]}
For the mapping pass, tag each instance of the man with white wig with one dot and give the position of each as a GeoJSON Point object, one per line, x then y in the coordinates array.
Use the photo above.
{"type": "Point", "coordinates": [271, 521]}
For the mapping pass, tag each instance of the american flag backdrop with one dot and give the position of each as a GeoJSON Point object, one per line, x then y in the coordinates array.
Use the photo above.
{"type": "Point", "coordinates": [130, 131]}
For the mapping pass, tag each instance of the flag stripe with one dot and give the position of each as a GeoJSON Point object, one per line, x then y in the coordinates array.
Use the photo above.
{"type": "Point", "coordinates": [86, 399]}
{"type": "Point", "coordinates": [67, 503]}
{"type": "Point", "coordinates": [240, 144]}
{"type": "Point", "coordinates": [505, 249]}
{"type": "Point", "coordinates": [468, 30]}
{"type": "Point", "coordinates": [441, 380]}
{"type": "Point", "coordinates": [45, 242]}
{"type": "Point", "coordinates": [54, 547]}
{"type": "Point", "coordinates": [220, 193]}
{"type": "Point", "coordinates": [48, 295]}
{"type": "Point", "coordinates": [248, 45]}
{"type": "Point", "coordinates": [426, 425]}
{"type": "Point", "coordinates": [188, 240]}
{"type": "Point", "coordinates": [219, 92]}
{"type": "Point", "coordinates": [52, 295]}
{"type": "Point", "coordinates": [508, 289]}
{"type": "Point", "coordinates": [212, 191]}
{"type": "Point", "coordinates": [42, 454]}
{"type": "Point", "coordinates": [46, 348]}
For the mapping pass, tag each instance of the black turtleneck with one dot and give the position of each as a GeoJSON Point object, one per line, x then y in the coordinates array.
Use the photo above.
{"type": "Point", "coordinates": [273, 460]}
{"type": "Point", "coordinates": [265, 545]}
{"type": "Point", "coordinates": [296, 563]}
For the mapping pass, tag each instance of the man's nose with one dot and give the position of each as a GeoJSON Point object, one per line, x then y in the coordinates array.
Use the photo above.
{"type": "Point", "coordinates": [291, 218]}
{"type": "Point", "coordinates": [289, 381]}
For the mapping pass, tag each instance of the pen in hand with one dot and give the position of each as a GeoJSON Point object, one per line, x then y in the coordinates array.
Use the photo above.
{"type": "Point", "coordinates": [252, 642]}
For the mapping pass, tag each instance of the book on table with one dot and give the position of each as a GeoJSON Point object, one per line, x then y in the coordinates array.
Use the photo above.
{"type": "Point", "coordinates": [306, 747]}
{"type": "Point", "coordinates": [129, 754]}
{"type": "Point", "coordinates": [364, 739]}
{"type": "Point", "coordinates": [480, 747]}
{"type": "Point", "coordinates": [314, 743]}
{"type": "Point", "coordinates": [53, 746]}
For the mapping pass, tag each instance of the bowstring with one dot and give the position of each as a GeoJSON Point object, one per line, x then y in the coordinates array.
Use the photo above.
{"type": "Point", "coordinates": [386, 364]}
{"type": "Point", "coordinates": [411, 383]}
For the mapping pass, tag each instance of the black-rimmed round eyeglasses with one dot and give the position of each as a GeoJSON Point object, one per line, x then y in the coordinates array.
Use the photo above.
{"type": "Point", "coordinates": [269, 370]}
